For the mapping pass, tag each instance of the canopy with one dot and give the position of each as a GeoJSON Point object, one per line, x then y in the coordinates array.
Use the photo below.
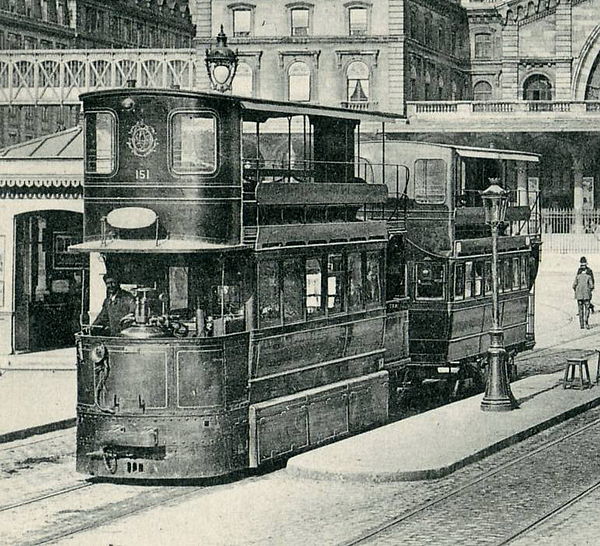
{"type": "Point", "coordinates": [492, 153]}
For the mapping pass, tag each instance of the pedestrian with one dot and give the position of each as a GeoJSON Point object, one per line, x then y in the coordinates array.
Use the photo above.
{"type": "Point", "coordinates": [119, 304]}
{"type": "Point", "coordinates": [583, 262]}
{"type": "Point", "coordinates": [583, 286]}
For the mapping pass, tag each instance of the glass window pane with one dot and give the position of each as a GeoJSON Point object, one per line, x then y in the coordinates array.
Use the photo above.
{"type": "Point", "coordinates": [507, 274]}
{"type": "Point", "coordinates": [516, 279]}
{"type": "Point", "coordinates": [100, 142]}
{"type": "Point", "coordinates": [358, 21]}
{"type": "Point", "coordinates": [488, 277]}
{"type": "Point", "coordinates": [268, 293]}
{"type": "Point", "coordinates": [299, 82]}
{"type": "Point", "coordinates": [242, 83]}
{"type": "Point", "coordinates": [430, 181]}
{"type": "Point", "coordinates": [373, 286]}
{"type": "Point", "coordinates": [459, 282]}
{"type": "Point", "coordinates": [313, 288]}
{"type": "Point", "coordinates": [355, 284]}
{"type": "Point", "coordinates": [468, 279]}
{"type": "Point", "coordinates": [477, 278]}
{"type": "Point", "coordinates": [241, 22]}
{"type": "Point", "coordinates": [299, 22]}
{"type": "Point", "coordinates": [430, 280]}
{"type": "Point", "coordinates": [524, 273]}
{"type": "Point", "coordinates": [292, 290]}
{"type": "Point", "coordinates": [335, 283]}
{"type": "Point", "coordinates": [194, 142]}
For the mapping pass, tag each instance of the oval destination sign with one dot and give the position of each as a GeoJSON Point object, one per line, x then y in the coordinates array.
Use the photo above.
{"type": "Point", "coordinates": [131, 217]}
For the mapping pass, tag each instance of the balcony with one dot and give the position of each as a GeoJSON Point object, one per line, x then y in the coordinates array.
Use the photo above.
{"type": "Point", "coordinates": [359, 105]}
{"type": "Point", "coordinates": [490, 116]}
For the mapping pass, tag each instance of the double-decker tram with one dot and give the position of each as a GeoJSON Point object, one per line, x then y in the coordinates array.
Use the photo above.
{"type": "Point", "coordinates": [274, 280]}
{"type": "Point", "coordinates": [447, 253]}
{"type": "Point", "coordinates": [257, 258]}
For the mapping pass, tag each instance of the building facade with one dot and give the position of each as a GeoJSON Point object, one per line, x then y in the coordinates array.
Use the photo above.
{"type": "Point", "coordinates": [358, 54]}
{"type": "Point", "coordinates": [66, 25]}
{"type": "Point", "coordinates": [74, 24]}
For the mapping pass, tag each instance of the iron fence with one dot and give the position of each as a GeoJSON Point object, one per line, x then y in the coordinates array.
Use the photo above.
{"type": "Point", "coordinates": [566, 230]}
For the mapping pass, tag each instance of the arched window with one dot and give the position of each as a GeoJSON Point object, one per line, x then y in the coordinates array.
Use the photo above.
{"type": "Point", "coordinates": [482, 91]}
{"type": "Point", "coordinates": [483, 46]}
{"type": "Point", "coordinates": [357, 82]}
{"type": "Point", "coordinates": [242, 83]}
{"type": "Point", "coordinates": [537, 87]}
{"type": "Point", "coordinates": [299, 82]}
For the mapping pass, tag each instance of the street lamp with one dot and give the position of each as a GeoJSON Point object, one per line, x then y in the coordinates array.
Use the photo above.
{"type": "Point", "coordinates": [221, 64]}
{"type": "Point", "coordinates": [498, 396]}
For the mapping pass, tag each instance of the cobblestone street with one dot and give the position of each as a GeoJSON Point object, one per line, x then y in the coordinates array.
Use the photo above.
{"type": "Point", "coordinates": [278, 509]}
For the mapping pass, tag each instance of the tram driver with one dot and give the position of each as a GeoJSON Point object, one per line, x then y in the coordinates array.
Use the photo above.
{"type": "Point", "coordinates": [118, 305]}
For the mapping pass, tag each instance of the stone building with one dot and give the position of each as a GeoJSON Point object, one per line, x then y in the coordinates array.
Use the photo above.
{"type": "Point", "coordinates": [360, 54]}
{"type": "Point", "coordinates": [73, 24]}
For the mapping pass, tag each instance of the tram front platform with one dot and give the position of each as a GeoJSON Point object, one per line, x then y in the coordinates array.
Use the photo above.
{"type": "Point", "coordinates": [435, 443]}
{"type": "Point", "coordinates": [38, 393]}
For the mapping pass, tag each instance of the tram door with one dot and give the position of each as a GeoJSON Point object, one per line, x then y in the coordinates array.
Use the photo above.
{"type": "Point", "coordinates": [48, 280]}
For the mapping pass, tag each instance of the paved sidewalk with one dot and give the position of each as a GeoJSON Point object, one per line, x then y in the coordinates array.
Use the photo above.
{"type": "Point", "coordinates": [438, 442]}
{"type": "Point", "coordinates": [37, 393]}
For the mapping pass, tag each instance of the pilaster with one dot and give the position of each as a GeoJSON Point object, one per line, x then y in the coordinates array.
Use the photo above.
{"type": "Point", "coordinates": [396, 54]}
{"type": "Point", "coordinates": [564, 49]}
{"type": "Point", "coordinates": [510, 65]}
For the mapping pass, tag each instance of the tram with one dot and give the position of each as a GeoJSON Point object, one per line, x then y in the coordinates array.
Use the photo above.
{"type": "Point", "coordinates": [446, 247]}
{"type": "Point", "coordinates": [290, 283]}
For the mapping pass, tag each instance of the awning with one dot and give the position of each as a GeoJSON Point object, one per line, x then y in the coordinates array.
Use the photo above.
{"type": "Point", "coordinates": [492, 153]}
{"type": "Point", "coordinates": [277, 109]}
{"type": "Point", "coordinates": [151, 246]}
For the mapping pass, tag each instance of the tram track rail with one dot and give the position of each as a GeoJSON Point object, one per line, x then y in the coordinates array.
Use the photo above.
{"type": "Point", "coordinates": [394, 525]}
{"type": "Point", "coordinates": [44, 496]}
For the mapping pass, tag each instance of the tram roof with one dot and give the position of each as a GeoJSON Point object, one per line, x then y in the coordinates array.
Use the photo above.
{"type": "Point", "coordinates": [470, 151]}
{"type": "Point", "coordinates": [265, 106]}
{"type": "Point", "coordinates": [163, 246]}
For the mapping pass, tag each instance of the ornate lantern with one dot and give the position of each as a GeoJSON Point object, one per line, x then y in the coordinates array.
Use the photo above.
{"type": "Point", "coordinates": [221, 64]}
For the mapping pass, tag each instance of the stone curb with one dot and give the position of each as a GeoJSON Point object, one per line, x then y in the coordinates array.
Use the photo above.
{"type": "Point", "coordinates": [435, 473]}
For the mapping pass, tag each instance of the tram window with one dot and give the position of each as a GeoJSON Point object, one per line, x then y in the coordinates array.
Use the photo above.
{"type": "Point", "coordinates": [430, 280]}
{"type": "Point", "coordinates": [335, 283]}
{"type": "Point", "coordinates": [507, 275]}
{"type": "Point", "coordinates": [355, 286]}
{"type": "Point", "coordinates": [373, 277]}
{"type": "Point", "coordinates": [178, 288]}
{"type": "Point", "coordinates": [488, 278]}
{"type": "Point", "coordinates": [100, 143]}
{"type": "Point", "coordinates": [430, 181]}
{"type": "Point", "coordinates": [313, 287]}
{"type": "Point", "coordinates": [459, 281]}
{"type": "Point", "coordinates": [524, 273]}
{"type": "Point", "coordinates": [468, 279]}
{"type": "Point", "coordinates": [194, 142]}
{"type": "Point", "coordinates": [268, 293]}
{"type": "Point", "coordinates": [292, 290]}
{"type": "Point", "coordinates": [477, 278]}
{"type": "Point", "coordinates": [516, 262]}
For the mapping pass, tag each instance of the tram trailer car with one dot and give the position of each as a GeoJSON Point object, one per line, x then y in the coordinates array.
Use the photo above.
{"type": "Point", "coordinates": [446, 250]}
{"type": "Point", "coordinates": [260, 317]}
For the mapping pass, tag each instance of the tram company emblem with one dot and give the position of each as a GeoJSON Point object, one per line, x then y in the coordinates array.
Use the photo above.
{"type": "Point", "coordinates": [142, 139]}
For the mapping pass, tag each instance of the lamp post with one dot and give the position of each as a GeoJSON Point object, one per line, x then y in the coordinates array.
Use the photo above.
{"type": "Point", "coordinates": [221, 64]}
{"type": "Point", "coordinates": [498, 396]}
